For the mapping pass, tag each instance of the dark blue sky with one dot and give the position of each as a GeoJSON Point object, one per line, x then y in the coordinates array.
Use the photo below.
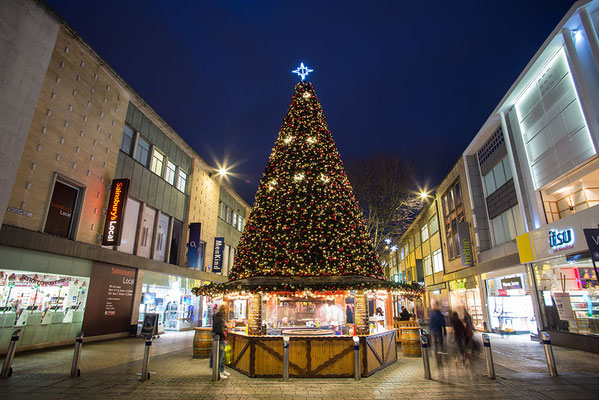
{"type": "Point", "coordinates": [417, 78]}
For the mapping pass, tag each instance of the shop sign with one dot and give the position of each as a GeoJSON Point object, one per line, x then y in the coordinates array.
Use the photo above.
{"type": "Point", "coordinates": [592, 237]}
{"type": "Point", "coordinates": [217, 258]}
{"type": "Point", "coordinates": [193, 249]}
{"type": "Point", "coordinates": [20, 212]}
{"type": "Point", "coordinates": [502, 292]}
{"type": "Point", "coordinates": [466, 244]}
{"type": "Point", "coordinates": [564, 306]}
{"type": "Point", "coordinates": [458, 284]}
{"type": "Point", "coordinates": [561, 240]}
{"type": "Point", "coordinates": [514, 282]}
{"type": "Point", "coordinates": [396, 278]}
{"type": "Point", "coordinates": [114, 215]}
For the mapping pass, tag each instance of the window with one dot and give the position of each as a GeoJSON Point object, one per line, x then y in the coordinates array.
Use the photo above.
{"type": "Point", "coordinates": [240, 223]}
{"type": "Point", "coordinates": [416, 238]}
{"type": "Point", "coordinates": [161, 240]}
{"type": "Point", "coordinates": [424, 233]}
{"type": "Point", "coordinates": [498, 176]}
{"type": "Point", "coordinates": [142, 151]}
{"type": "Point", "coordinates": [235, 219]}
{"type": "Point", "coordinates": [402, 254]}
{"type": "Point", "coordinates": [201, 252]}
{"type": "Point", "coordinates": [63, 210]}
{"type": "Point", "coordinates": [406, 250]}
{"type": "Point", "coordinates": [182, 181]}
{"type": "Point", "coordinates": [130, 226]}
{"type": "Point", "coordinates": [157, 162]}
{"type": "Point", "coordinates": [428, 270]}
{"type": "Point", "coordinates": [507, 225]}
{"type": "Point", "coordinates": [437, 261]}
{"type": "Point", "coordinates": [175, 239]}
{"type": "Point", "coordinates": [433, 224]}
{"type": "Point", "coordinates": [171, 170]}
{"type": "Point", "coordinates": [229, 215]}
{"type": "Point", "coordinates": [453, 212]}
{"type": "Point", "coordinates": [127, 140]}
{"type": "Point", "coordinates": [223, 212]}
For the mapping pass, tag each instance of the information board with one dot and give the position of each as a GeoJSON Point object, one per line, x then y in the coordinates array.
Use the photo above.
{"type": "Point", "coordinates": [564, 306]}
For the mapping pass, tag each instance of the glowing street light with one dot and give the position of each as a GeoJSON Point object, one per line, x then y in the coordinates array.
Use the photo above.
{"type": "Point", "coordinates": [222, 172]}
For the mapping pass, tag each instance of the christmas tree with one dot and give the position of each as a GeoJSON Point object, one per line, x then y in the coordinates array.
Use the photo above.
{"type": "Point", "coordinates": [305, 221]}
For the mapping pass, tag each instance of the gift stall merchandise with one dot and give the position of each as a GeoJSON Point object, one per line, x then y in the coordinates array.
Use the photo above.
{"type": "Point", "coordinates": [46, 307]}
{"type": "Point", "coordinates": [569, 294]}
{"type": "Point", "coordinates": [170, 297]}
{"type": "Point", "coordinates": [510, 304]}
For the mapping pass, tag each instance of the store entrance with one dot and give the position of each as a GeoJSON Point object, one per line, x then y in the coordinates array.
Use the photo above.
{"type": "Point", "coordinates": [510, 305]}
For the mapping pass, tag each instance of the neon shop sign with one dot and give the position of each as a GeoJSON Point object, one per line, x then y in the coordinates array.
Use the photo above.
{"type": "Point", "coordinates": [560, 240]}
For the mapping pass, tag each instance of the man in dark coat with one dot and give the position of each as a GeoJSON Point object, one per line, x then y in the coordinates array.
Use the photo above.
{"type": "Point", "coordinates": [219, 330]}
{"type": "Point", "coordinates": [438, 332]}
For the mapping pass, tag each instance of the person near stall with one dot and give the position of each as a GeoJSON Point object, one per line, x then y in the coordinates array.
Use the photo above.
{"type": "Point", "coordinates": [404, 315]}
{"type": "Point", "coordinates": [219, 330]}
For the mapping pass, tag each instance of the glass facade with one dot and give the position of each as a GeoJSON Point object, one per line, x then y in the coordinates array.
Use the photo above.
{"type": "Point", "coordinates": [510, 304]}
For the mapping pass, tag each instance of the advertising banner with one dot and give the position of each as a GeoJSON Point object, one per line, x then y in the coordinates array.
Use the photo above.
{"type": "Point", "coordinates": [114, 214]}
{"type": "Point", "coordinates": [217, 259]}
{"type": "Point", "coordinates": [564, 306]}
{"type": "Point", "coordinates": [110, 299]}
{"type": "Point", "coordinates": [465, 244]}
{"type": "Point", "coordinates": [511, 283]}
{"type": "Point", "coordinates": [193, 245]}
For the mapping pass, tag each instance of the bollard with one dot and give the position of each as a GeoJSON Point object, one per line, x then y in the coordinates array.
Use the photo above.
{"type": "Point", "coordinates": [215, 358]}
{"type": "Point", "coordinates": [286, 358]}
{"type": "Point", "coordinates": [145, 368]}
{"type": "Point", "coordinates": [549, 354]}
{"type": "Point", "coordinates": [425, 359]}
{"type": "Point", "coordinates": [357, 366]}
{"type": "Point", "coordinates": [488, 356]}
{"type": "Point", "coordinates": [10, 354]}
{"type": "Point", "coordinates": [75, 371]}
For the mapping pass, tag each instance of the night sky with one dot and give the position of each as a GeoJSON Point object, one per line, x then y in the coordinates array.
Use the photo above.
{"type": "Point", "coordinates": [416, 78]}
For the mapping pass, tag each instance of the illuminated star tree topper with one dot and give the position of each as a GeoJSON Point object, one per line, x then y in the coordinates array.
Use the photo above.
{"type": "Point", "coordinates": [302, 71]}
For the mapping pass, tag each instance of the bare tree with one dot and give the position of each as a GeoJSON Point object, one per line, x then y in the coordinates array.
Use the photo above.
{"type": "Point", "coordinates": [385, 190]}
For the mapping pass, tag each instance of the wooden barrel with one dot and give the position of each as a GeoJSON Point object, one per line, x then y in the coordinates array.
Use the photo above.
{"type": "Point", "coordinates": [202, 342]}
{"type": "Point", "coordinates": [410, 341]}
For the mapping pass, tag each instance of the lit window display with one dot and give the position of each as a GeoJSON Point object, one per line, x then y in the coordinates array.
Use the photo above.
{"type": "Point", "coordinates": [569, 295]}
{"type": "Point", "coordinates": [510, 305]}
{"type": "Point", "coordinates": [47, 307]}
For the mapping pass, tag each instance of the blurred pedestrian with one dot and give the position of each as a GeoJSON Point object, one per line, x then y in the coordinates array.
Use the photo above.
{"type": "Point", "coordinates": [469, 344]}
{"type": "Point", "coordinates": [438, 332]}
{"type": "Point", "coordinates": [459, 335]}
{"type": "Point", "coordinates": [219, 330]}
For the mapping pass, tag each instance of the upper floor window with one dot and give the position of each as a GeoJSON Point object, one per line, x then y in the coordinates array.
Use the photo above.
{"type": "Point", "coordinates": [424, 232]}
{"type": "Point", "coordinates": [157, 162]}
{"type": "Point", "coordinates": [437, 261]}
{"type": "Point", "coordinates": [428, 270]}
{"type": "Point", "coordinates": [235, 219]}
{"type": "Point", "coordinates": [63, 211]}
{"type": "Point", "coordinates": [182, 181]}
{"type": "Point", "coordinates": [171, 170]}
{"type": "Point", "coordinates": [402, 254]}
{"type": "Point", "coordinates": [433, 224]}
{"type": "Point", "coordinates": [142, 151]}
{"type": "Point", "coordinates": [240, 223]}
{"type": "Point", "coordinates": [453, 212]}
{"type": "Point", "coordinates": [498, 176]}
{"type": "Point", "coordinates": [127, 139]}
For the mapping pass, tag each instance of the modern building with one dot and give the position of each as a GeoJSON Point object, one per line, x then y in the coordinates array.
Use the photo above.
{"type": "Point", "coordinates": [110, 215]}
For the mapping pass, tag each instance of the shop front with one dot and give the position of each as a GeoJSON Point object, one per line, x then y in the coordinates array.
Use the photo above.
{"type": "Point", "coordinates": [509, 302]}
{"type": "Point", "coordinates": [464, 295]}
{"type": "Point", "coordinates": [170, 297]}
{"type": "Point", "coordinates": [438, 296]}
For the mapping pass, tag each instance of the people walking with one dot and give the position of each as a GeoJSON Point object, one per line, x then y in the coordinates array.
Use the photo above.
{"type": "Point", "coordinates": [438, 332]}
{"type": "Point", "coordinates": [459, 335]}
{"type": "Point", "coordinates": [219, 330]}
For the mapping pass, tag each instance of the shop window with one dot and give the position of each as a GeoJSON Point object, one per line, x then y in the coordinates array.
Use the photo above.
{"type": "Point", "coordinates": [428, 266]}
{"type": "Point", "coordinates": [433, 224]}
{"type": "Point", "coordinates": [127, 140]}
{"type": "Point", "coordinates": [507, 225]}
{"type": "Point", "coordinates": [129, 232]}
{"type": "Point", "coordinates": [161, 240]}
{"type": "Point", "coordinates": [182, 180]}
{"type": "Point", "coordinates": [63, 212]}
{"type": "Point", "coordinates": [170, 174]}
{"type": "Point", "coordinates": [424, 233]}
{"type": "Point", "coordinates": [437, 261]}
{"type": "Point", "coordinates": [498, 176]}
{"type": "Point", "coordinates": [175, 242]}
{"type": "Point", "coordinates": [142, 151]}
{"type": "Point", "coordinates": [510, 304]}
{"type": "Point", "coordinates": [157, 162]}
{"type": "Point", "coordinates": [453, 212]}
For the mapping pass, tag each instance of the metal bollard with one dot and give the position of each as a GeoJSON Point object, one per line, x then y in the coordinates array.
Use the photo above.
{"type": "Point", "coordinates": [75, 371]}
{"type": "Point", "coordinates": [549, 354]}
{"type": "Point", "coordinates": [215, 358]}
{"type": "Point", "coordinates": [357, 364]}
{"type": "Point", "coordinates": [488, 356]}
{"type": "Point", "coordinates": [145, 368]}
{"type": "Point", "coordinates": [425, 359]}
{"type": "Point", "coordinates": [10, 354]}
{"type": "Point", "coordinates": [286, 358]}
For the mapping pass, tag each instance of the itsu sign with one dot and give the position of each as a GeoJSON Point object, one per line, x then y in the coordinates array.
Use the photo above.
{"type": "Point", "coordinates": [561, 240]}
{"type": "Point", "coordinates": [114, 215]}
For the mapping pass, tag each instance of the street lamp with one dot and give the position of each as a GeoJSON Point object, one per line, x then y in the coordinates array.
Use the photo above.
{"type": "Point", "coordinates": [222, 172]}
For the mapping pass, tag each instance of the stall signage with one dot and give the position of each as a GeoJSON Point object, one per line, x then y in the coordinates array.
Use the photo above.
{"type": "Point", "coordinates": [564, 306]}
{"type": "Point", "coordinates": [466, 244]}
{"type": "Point", "coordinates": [514, 282]}
{"type": "Point", "coordinates": [217, 258]}
{"type": "Point", "coordinates": [114, 215]}
{"type": "Point", "coordinates": [193, 249]}
{"type": "Point", "coordinates": [561, 240]}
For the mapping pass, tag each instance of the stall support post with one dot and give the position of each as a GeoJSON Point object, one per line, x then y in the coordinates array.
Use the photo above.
{"type": "Point", "coordinates": [75, 371]}
{"type": "Point", "coordinates": [357, 366]}
{"type": "Point", "coordinates": [549, 354]}
{"type": "Point", "coordinates": [488, 356]}
{"type": "Point", "coordinates": [286, 358]}
{"type": "Point", "coordinates": [361, 313]}
{"type": "Point", "coordinates": [10, 354]}
{"type": "Point", "coordinates": [215, 358]}
{"type": "Point", "coordinates": [145, 368]}
{"type": "Point", "coordinates": [425, 358]}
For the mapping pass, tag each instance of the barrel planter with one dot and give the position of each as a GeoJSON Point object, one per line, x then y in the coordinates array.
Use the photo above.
{"type": "Point", "coordinates": [410, 341]}
{"type": "Point", "coordinates": [202, 342]}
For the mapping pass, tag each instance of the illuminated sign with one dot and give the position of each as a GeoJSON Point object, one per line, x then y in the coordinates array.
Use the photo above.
{"type": "Point", "coordinates": [560, 240]}
{"type": "Point", "coordinates": [396, 278]}
{"type": "Point", "coordinates": [458, 284]}
{"type": "Point", "coordinates": [217, 258]}
{"type": "Point", "coordinates": [114, 215]}
{"type": "Point", "coordinates": [465, 244]}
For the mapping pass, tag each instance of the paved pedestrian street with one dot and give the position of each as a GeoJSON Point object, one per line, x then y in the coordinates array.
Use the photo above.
{"type": "Point", "coordinates": [109, 372]}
